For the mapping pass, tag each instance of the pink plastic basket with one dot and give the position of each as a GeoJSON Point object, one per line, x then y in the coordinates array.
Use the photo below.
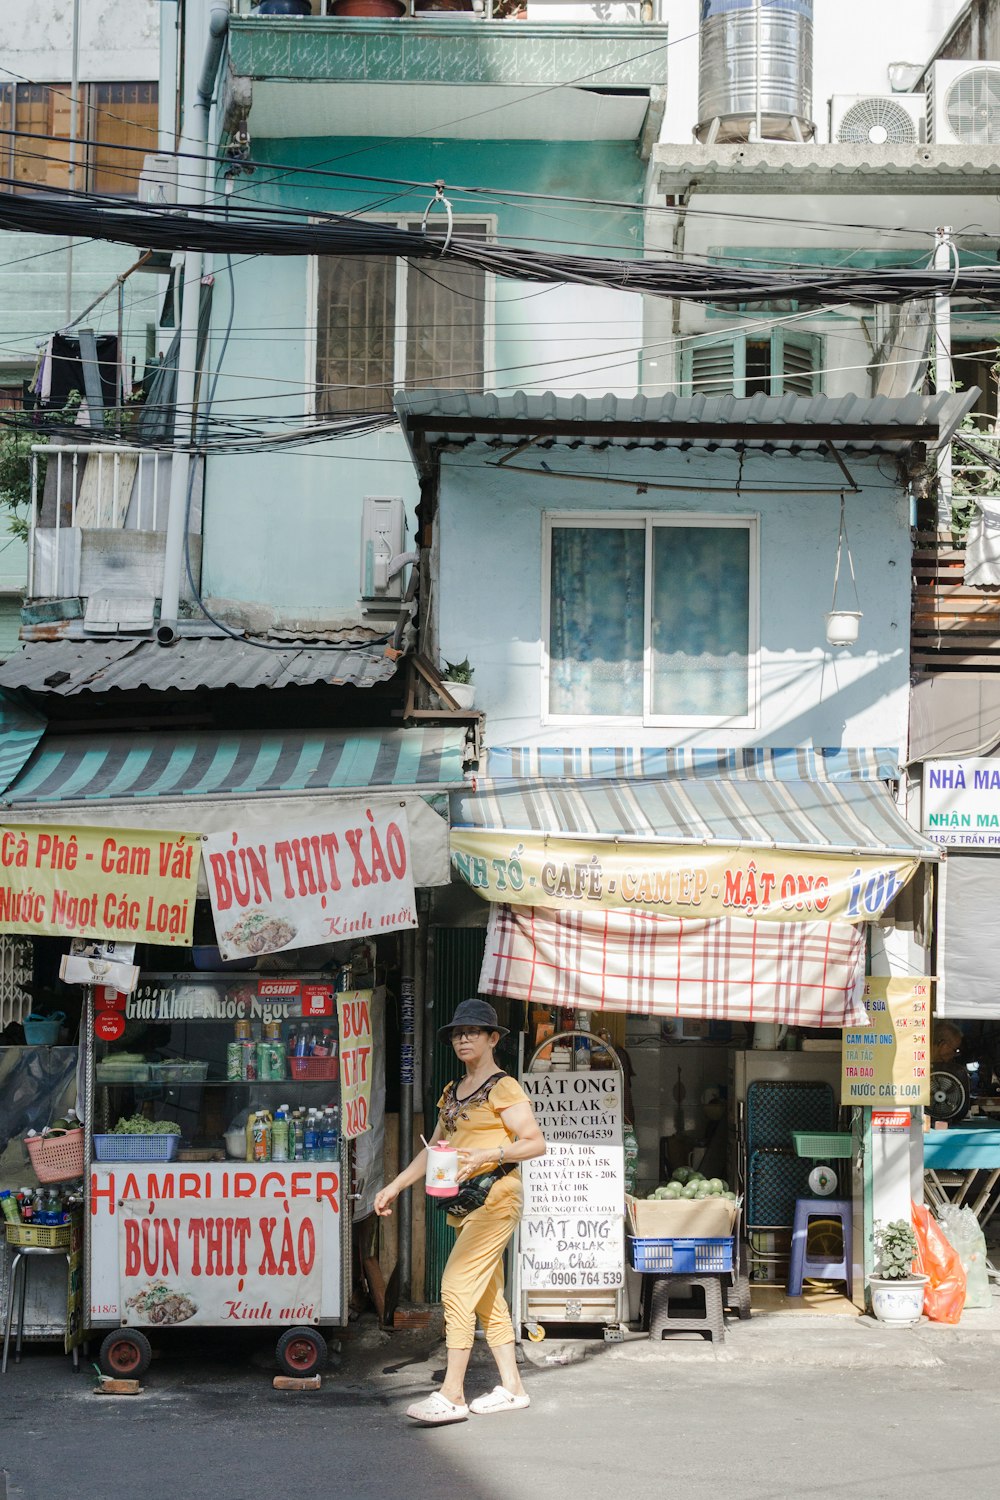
{"type": "Point", "coordinates": [57, 1158]}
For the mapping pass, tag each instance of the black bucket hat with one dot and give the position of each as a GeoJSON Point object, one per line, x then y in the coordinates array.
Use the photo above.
{"type": "Point", "coordinates": [473, 1013]}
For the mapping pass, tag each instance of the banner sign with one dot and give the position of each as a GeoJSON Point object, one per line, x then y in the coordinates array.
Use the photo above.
{"type": "Point", "coordinates": [198, 997]}
{"type": "Point", "coordinates": [960, 805]}
{"type": "Point", "coordinates": [354, 1013]}
{"type": "Point", "coordinates": [169, 1240]}
{"type": "Point", "coordinates": [887, 1063]}
{"type": "Point", "coordinates": [347, 876]}
{"type": "Point", "coordinates": [676, 880]}
{"type": "Point", "coordinates": [571, 1235]}
{"type": "Point", "coordinates": [219, 1263]}
{"type": "Point", "coordinates": [128, 885]}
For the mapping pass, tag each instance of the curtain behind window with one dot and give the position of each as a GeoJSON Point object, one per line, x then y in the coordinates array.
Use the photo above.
{"type": "Point", "coordinates": [596, 629]}
{"type": "Point", "coordinates": [701, 621]}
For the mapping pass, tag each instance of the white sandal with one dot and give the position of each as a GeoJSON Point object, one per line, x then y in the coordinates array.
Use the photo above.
{"type": "Point", "coordinates": [499, 1399]}
{"type": "Point", "coordinates": [435, 1410]}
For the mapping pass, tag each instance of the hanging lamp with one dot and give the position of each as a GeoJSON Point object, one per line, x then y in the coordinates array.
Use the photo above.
{"type": "Point", "coordinates": [843, 625]}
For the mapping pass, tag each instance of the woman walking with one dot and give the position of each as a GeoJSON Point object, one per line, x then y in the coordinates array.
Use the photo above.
{"type": "Point", "coordinates": [488, 1118]}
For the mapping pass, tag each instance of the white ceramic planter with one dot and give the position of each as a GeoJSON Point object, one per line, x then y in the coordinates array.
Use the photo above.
{"type": "Point", "coordinates": [898, 1304]}
{"type": "Point", "coordinates": [463, 693]}
{"type": "Point", "coordinates": [843, 626]}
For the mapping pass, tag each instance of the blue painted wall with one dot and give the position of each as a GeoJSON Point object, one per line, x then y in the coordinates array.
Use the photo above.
{"type": "Point", "coordinates": [282, 531]}
{"type": "Point", "coordinates": [489, 557]}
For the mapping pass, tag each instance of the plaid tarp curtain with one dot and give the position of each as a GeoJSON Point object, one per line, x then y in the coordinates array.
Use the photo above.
{"type": "Point", "coordinates": [792, 973]}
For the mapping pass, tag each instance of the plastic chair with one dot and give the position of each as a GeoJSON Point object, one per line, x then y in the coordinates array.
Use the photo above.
{"type": "Point", "coordinates": [19, 1268]}
{"type": "Point", "coordinates": [817, 1266]}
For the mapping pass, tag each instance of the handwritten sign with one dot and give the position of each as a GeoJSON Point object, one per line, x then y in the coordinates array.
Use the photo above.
{"type": "Point", "coordinates": [129, 885]}
{"type": "Point", "coordinates": [213, 1263]}
{"type": "Point", "coordinates": [888, 1062]}
{"type": "Point", "coordinates": [347, 876]}
{"type": "Point", "coordinates": [354, 1012]}
{"type": "Point", "coordinates": [571, 1234]}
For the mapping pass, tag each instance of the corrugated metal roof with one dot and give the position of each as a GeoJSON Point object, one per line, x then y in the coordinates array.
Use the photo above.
{"type": "Point", "coordinates": [838, 168]}
{"type": "Point", "coordinates": [67, 667]}
{"type": "Point", "coordinates": [877, 424]}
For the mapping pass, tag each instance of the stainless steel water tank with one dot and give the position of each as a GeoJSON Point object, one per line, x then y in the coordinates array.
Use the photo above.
{"type": "Point", "coordinates": [735, 63]}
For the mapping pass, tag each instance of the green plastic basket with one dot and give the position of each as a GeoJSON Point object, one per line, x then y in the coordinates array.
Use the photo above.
{"type": "Point", "coordinates": [825, 1145]}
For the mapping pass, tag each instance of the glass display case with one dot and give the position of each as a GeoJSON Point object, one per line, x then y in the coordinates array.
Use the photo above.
{"type": "Point", "coordinates": [215, 1164]}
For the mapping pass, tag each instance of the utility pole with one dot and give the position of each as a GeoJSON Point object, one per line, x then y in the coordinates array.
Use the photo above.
{"type": "Point", "coordinates": [945, 259]}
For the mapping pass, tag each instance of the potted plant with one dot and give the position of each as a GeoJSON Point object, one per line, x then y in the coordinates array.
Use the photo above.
{"type": "Point", "coordinates": [897, 1290]}
{"type": "Point", "coordinates": [457, 678]}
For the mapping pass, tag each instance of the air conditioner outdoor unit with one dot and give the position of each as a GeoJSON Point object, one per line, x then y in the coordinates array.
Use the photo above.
{"type": "Point", "coordinates": [878, 119]}
{"type": "Point", "coordinates": [963, 103]}
{"type": "Point", "coordinates": [158, 179]}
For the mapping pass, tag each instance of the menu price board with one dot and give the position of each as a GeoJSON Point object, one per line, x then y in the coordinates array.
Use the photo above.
{"type": "Point", "coordinates": [572, 1232]}
{"type": "Point", "coordinates": [888, 1062]}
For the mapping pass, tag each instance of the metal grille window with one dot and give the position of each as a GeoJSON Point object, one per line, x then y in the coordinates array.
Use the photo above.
{"type": "Point", "coordinates": [112, 117]}
{"type": "Point", "coordinates": [777, 364]}
{"type": "Point", "coordinates": [383, 324]}
{"type": "Point", "coordinates": [652, 619]}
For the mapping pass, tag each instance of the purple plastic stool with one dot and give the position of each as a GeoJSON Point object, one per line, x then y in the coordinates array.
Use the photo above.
{"type": "Point", "coordinates": [801, 1264]}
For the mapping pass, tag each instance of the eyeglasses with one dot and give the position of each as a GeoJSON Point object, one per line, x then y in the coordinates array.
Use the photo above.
{"type": "Point", "coordinates": [460, 1032]}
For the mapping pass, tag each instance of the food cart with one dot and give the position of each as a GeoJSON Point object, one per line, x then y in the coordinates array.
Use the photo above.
{"type": "Point", "coordinates": [182, 1230]}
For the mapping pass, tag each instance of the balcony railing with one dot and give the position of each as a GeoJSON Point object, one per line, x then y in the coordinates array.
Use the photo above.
{"type": "Point", "coordinates": [486, 10]}
{"type": "Point", "coordinates": [98, 518]}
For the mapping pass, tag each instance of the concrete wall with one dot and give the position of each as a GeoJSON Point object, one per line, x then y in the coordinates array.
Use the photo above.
{"type": "Point", "coordinates": [490, 605]}
{"type": "Point", "coordinates": [282, 531]}
{"type": "Point", "coordinates": [119, 40]}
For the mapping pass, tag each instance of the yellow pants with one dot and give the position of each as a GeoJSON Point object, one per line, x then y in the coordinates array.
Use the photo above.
{"type": "Point", "coordinates": [472, 1284]}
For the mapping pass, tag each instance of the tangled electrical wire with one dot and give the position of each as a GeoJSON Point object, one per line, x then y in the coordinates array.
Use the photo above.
{"type": "Point", "coordinates": [294, 232]}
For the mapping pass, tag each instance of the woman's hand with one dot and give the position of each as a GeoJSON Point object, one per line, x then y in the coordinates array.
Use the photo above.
{"type": "Point", "coordinates": [385, 1199]}
{"type": "Point", "coordinates": [471, 1163]}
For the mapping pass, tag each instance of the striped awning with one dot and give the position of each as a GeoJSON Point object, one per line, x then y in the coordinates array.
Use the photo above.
{"type": "Point", "coordinates": [20, 731]}
{"type": "Point", "coordinates": [102, 770]}
{"type": "Point", "coordinates": [841, 817]}
{"type": "Point", "coordinates": [776, 851]}
{"type": "Point", "coordinates": [746, 763]}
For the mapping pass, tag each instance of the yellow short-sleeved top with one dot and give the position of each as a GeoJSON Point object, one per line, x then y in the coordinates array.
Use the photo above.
{"type": "Point", "coordinates": [474, 1123]}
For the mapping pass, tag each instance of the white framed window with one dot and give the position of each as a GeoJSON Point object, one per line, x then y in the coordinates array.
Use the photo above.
{"type": "Point", "coordinates": [383, 324]}
{"type": "Point", "coordinates": [650, 619]}
{"type": "Point", "coordinates": [779, 363]}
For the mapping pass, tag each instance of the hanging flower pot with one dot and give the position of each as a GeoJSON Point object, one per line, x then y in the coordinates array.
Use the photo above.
{"type": "Point", "coordinates": [843, 625]}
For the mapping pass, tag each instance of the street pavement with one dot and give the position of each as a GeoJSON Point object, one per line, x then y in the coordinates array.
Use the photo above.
{"type": "Point", "coordinates": [788, 1408]}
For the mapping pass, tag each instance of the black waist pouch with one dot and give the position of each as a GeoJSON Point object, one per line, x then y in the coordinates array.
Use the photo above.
{"type": "Point", "coordinates": [473, 1193]}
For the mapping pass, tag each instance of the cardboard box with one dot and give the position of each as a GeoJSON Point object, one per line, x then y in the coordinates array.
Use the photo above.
{"type": "Point", "coordinates": [681, 1218]}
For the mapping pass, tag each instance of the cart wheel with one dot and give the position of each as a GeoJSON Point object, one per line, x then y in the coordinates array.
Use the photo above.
{"type": "Point", "coordinates": [125, 1354]}
{"type": "Point", "coordinates": [738, 1297]}
{"type": "Point", "coordinates": [301, 1352]}
{"type": "Point", "coordinates": [535, 1332]}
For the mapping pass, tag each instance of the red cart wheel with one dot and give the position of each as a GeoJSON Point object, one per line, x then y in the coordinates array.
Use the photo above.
{"type": "Point", "coordinates": [301, 1352]}
{"type": "Point", "coordinates": [125, 1354]}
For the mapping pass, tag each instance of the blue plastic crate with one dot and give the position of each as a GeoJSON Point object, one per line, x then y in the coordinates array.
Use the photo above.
{"type": "Point", "coordinates": [673, 1257]}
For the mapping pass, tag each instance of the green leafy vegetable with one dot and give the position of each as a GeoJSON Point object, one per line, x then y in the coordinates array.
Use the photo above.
{"type": "Point", "coordinates": [139, 1125]}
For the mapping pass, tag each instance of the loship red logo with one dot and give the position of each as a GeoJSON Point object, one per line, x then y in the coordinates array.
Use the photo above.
{"type": "Point", "coordinates": [278, 989]}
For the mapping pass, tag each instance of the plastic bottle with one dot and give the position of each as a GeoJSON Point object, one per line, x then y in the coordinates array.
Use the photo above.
{"type": "Point", "coordinates": [279, 1134]}
{"type": "Point", "coordinates": [9, 1207]}
{"type": "Point", "coordinates": [330, 1142]}
{"type": "Point", "coordinates": [299, 1127]}
{"type": "Point", "coordinates": [311, 1139]}
{"type": "Point", "coordinates": [27, 1206]}
{"type": "Point", "coordinates": [302, 1044]}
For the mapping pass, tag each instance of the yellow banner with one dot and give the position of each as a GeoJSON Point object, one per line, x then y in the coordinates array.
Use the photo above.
{"type": "Point", "coordinates": [122, 884]}
{"type": "Point", "coordinates": [674, 880]}
{"type": "Point", "coordinates": [354, 1014]}
{"type": "Point", "coordinates": [888, 1062]}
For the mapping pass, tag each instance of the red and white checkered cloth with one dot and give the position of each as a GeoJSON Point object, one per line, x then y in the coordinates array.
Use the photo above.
{"type": "Point", "coordinates": [792, 973]}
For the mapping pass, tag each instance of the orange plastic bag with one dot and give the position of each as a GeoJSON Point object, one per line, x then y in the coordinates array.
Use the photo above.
{"type": "Point", "coordinates": [944, 1296]}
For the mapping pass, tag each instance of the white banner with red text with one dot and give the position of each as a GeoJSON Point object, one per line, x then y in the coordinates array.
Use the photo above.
{"type": "Point", "coordinates": [178, 1243]}
{"type": "Point", "coordinates": [347, 876]}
